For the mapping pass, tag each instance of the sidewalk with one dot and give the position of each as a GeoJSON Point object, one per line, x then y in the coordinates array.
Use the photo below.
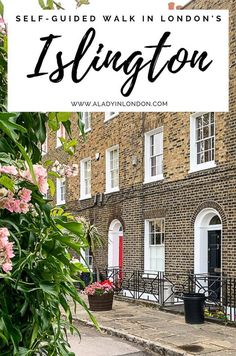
{"type": "Point", "coordinates": [164, 333]}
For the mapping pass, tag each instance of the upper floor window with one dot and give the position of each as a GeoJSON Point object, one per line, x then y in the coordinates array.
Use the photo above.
{"type": "Point", "coordinates": [112, 169]}
{"type": "Point", "coordinates": [85, 178]}
{"type": "Point", "coordinates": [110, 115]}
{"type": "Point", "coordinates": [86, 118]}
{"type": "Point", "coordinates": [154, 249]}
{"type": "Point", "coordinates": [202, 141]}
{"type": "Point", "coordinates": [44, 147]}
{"type": "Point", "coordinates": [154, 155]}
{"type": "Point", "coordinates": [60, 133]}
{"type": "Point", "coordinates": [61, 191]}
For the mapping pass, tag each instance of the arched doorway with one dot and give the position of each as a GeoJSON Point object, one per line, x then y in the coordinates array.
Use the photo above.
{"type": "Point", "coordinates": [207, 242]}
{"type": "Point", "coordinates": [115, 245]}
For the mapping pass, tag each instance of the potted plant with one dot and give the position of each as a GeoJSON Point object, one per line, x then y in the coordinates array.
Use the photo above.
{"type": "Point", "coordinates": [171, 5]}
{"type": "Point", "coordinates": [94, 240]}
{"type": "Point", "coordinates": [100, 295]}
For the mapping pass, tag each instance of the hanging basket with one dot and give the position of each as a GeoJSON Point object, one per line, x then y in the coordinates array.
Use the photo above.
{"type": "Point", "coordinates": [100, 302]}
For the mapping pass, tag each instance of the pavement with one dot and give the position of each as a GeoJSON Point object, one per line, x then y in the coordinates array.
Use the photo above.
{"type": "Point", "coordinates": [162, 332]}
{"type": "Point", "coordinates": [93, 343]}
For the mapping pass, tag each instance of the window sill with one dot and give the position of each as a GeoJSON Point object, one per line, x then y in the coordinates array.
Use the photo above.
{"type": "Point", "coordinates": [85, 131]}
{"type": "Point", "coordinates": [88, 130]}
{"type": "Point", "coordinates": [154, 179]}
{"type": "Point", "coordinates": [111, 117]}
{"type": "Point", "coordinates": [61, 203]}
{"type": "Point", "coordinates": [115, 190]}
{"type": "Point", "coordinates": [202, 167]}
{"type": "Point", "coordinates": [151, 275]}
{"type": "Point", "coordinates": [85, 197]}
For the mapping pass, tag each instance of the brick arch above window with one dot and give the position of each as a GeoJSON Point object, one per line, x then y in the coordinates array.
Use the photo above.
{"type": "Point", "coordinates": [116, 217]}
{"type": "Point", "coordinates": [210, 204]}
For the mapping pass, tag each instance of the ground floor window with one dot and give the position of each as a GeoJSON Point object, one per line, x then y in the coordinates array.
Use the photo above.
{"type": "Point", "coordinates": [87, 258]}
{"type": "Point", "coordinates": [154, 245]}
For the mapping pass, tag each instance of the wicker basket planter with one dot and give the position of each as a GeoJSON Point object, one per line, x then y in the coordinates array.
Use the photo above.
{"type": "Point", "coordinates": [100, 302]}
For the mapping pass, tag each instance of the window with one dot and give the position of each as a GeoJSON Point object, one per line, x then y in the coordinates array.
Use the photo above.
{"type": "Point", "coordinates": [87, 258]}
{"type": "Point", "coordinates": [215, 220]}
{"type": "Point", "coordinates": [60, 133]}
{"type": "Point", "coordinates": [85, 178]}
{"type": "Point", "coordinates": [86, 118]}
{"type": "Point", "coordinates": [110, 115]}
{"type": "Point", "coordinates": [61, 191]}
{"type": "Point", "coordinates": [112, 169]}
{"type": "Point", "coordinates": [154, 250]}
{"type": "Point", "coordinates": [202, 141]}
{"type": "Point", "coordinates": [154, 155]}
{"type": "Point", "coordinates": [44, 147]}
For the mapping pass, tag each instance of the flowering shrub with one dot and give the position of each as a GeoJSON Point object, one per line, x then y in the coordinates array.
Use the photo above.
{"type": "Point", "coordinates": [64, 170]}
{"type": "Point", "coordinates": [99, 288]}
{"type": "Point", "coordinates": [37, 240]}
{"type": "Point", "coordinates": [6, 250]}
{"type": "Point", "coordinates": [2, 26]}
{"type": "Point", "coordinates": [16, 199]}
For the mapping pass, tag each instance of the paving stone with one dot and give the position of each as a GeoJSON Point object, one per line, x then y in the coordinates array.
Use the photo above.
{"type": "Point", "coordinates": [167, 330]}
{"type": "Point", "coordinates": [201, 348]}
{"type": "Point", "coordinates": [222, 353]}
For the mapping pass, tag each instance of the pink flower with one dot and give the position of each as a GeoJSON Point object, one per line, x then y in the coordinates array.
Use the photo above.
{"type": "Point", "coordinates": [39, 171]}
{"type": "Point", "coordinates": [6, 250]}
{"type": "Point", "coordinates": [99, 288]}
{"type": "Point", "coordinates": [43, 185]}
{"type": "Point", "coordinates": [25, 195]}
{"type": "Point", "coordinates": [7, 267]}
{"type": "Point", "coordinates": [3, 243]}
{"type": "Point", "coordinates": [12, 205]}
{"type": "Point", "coordinates": [68, 171]}
{"type": "Point", "coordinates": [41, 177]}
{"type": "Point", "coordinates": [4, 233]}
{"type": "Point", "coordinates": [9, 251]}
{"type": "Point", "coordinates": [23, 207]}
{"type": "Point", "coordinates": [9, 170]}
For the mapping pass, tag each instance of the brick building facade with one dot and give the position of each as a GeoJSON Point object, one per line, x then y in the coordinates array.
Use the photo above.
{"type": "Point", "coordinates": [177, 217]}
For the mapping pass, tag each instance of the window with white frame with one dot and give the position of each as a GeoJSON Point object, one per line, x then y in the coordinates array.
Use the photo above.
{"type": "Point", "coordinates": [154, 249]}
{"type": "Point", "coordinates": [112, 169]}
{"type": "Point", "coordinates": [154, 155]}
{"type": "Point", "coordinates": [86, 118]}
{"type": "Point", "coordinates": [110, 115]}
{"type": "Point", "coordinates": [85, 178]}
{"type": "Point", "coordinates": [87, 258]}
{"type": "Point", "coordinates": [61, 133]}
{"type": "Point", "coordinates": [61, 191]}
{"type": "Point", "coordinates": [202, 141]}
{"type": "Point", "coordinates": [44, 147]}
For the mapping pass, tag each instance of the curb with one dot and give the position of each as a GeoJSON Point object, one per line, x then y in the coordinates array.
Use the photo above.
{"type": "Point", "coordinates": [152, 346]}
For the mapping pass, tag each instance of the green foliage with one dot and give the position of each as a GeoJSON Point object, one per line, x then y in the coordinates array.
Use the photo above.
{"type": "Point", "coordinates": [35, 312]}
{"type": "Point", "coordinates": [3, 68]}
{"type": "Point", "coordinates": [52, 5]}
{"type": "Point", "coordinates": [1, 8]}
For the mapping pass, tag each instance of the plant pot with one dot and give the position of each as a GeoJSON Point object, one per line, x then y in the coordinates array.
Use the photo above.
{"type": "Point", "coordinates": [171, 5]}
{"type": "Point", "coordinates": [194, 307]}
{"type": "Point", "coordinates": [100, 302]}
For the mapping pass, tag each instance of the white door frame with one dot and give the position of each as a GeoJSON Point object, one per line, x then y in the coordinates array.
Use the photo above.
{"type": "Point", "coordinates": [113, 243]}
{"type": "Point", "coordinates": [201, 228]}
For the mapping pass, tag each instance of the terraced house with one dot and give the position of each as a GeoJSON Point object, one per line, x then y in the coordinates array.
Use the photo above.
{"type": "Point", "coordinates": [160, 186]}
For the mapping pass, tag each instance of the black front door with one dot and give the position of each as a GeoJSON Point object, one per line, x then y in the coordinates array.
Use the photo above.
{"type": "Point", "coordinates": [214, 264]}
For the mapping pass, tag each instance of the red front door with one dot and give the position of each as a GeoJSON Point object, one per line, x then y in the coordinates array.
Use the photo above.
{"type": "Point", "coordinates": [120, 256]}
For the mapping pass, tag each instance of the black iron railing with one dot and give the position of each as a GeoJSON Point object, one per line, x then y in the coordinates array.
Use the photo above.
{"type": "Point", "coordinates": [167, 289]}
